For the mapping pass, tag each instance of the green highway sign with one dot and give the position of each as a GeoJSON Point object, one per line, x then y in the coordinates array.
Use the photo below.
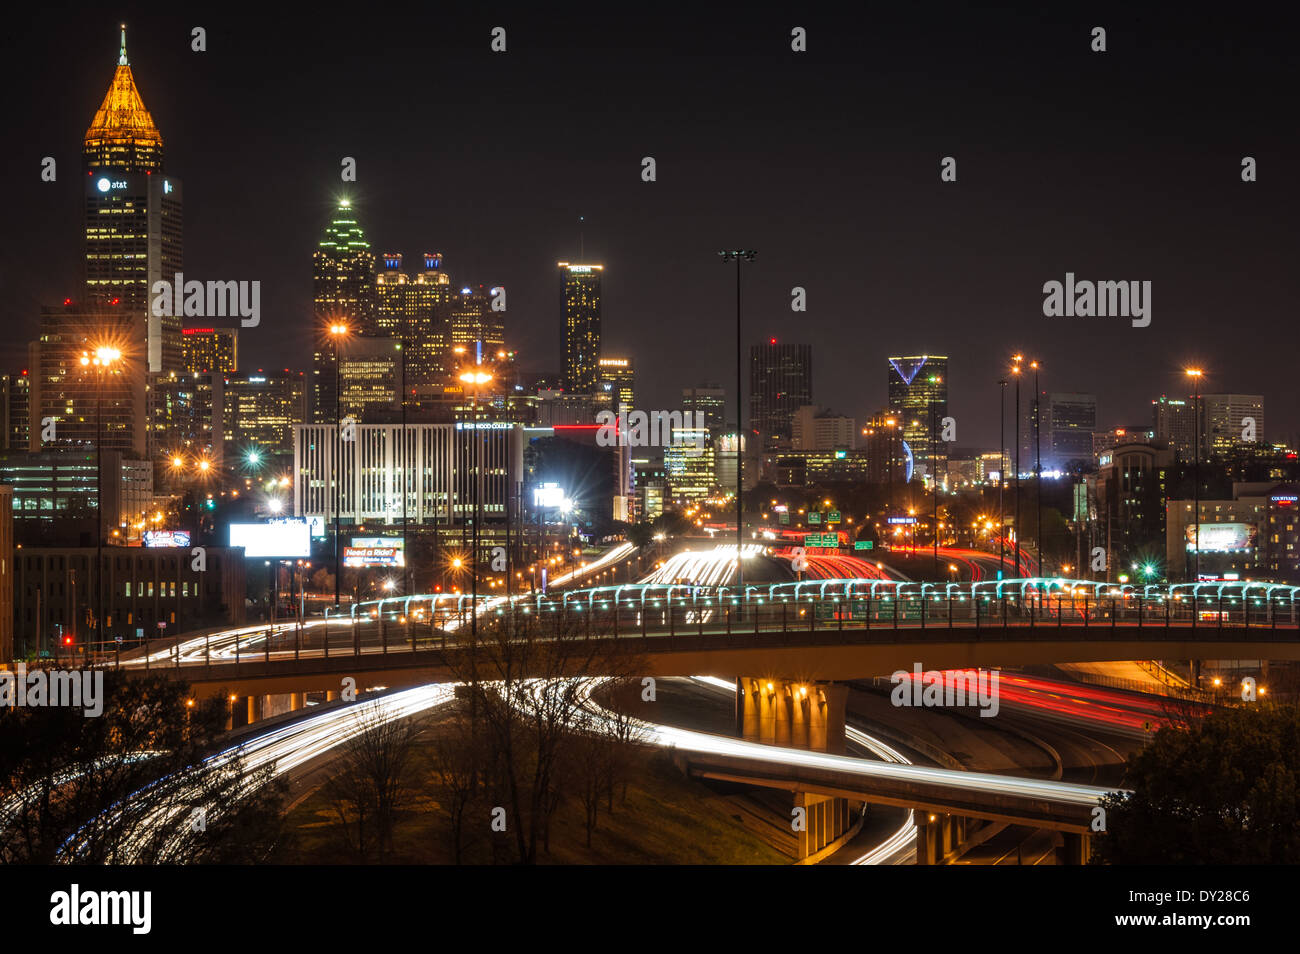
{"type": "Point", "coordinates": [785, 516]}
{"type": "Point", "coordinates": [863, 544]}
{"type": "Point", "coordinates": [833, 517]}
{"type": "Point", "coordinates": [814, 516]}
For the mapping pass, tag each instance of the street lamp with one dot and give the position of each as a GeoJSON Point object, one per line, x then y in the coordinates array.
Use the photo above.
{"type": "Point", "coordinates": [337, 331]}
{"type": "Point", "coordinates": [1196, 374]}
{"type": "Point", "coordinates": [1015, 370]}
{"type": "Point", "coordinates": [102, 361]}
{"type": "Point", "coordinates": [476, 378]}
{"type": "Point", "coordinates": [738, 256]}
{"type": "Point", "coordinates": [1038, 473]}
{"type": "Point", "coordinates": [1002, 477]}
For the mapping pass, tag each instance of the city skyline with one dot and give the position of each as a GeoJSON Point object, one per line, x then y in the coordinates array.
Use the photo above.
{"type": "Point", "coordinates": [677, 331]}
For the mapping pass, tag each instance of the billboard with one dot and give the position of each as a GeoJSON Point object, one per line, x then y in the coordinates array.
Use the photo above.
{"type": "Point", "coordinates": [1223, 537]}
{"type": "Point", "coordinates": [166, 538]}
{"type": "Point", "coordinates": [375, 551]}
{"type": "Point", "coordinates": [276, 538]}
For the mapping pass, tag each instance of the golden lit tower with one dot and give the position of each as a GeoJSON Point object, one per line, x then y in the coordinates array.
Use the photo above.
{"type": "Point", "coordinates": [133, 216]}
{"type": "Point", "coordinates": [580, 328]}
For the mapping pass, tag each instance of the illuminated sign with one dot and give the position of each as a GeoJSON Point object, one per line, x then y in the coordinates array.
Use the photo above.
{"type": "Point", "coordinates": [372, 556]}
{"type": "Point", "coordinates": [1284, 500]}
{"type": "Point", "coordinates": [375, 551]}
{"type": "Point", "coordinates": [902, 520]}
{"type": "Point", "coordinates": [103, 185]}
{"type": "Point", "coordinates": [276, 538]}
{"type": "Point", "coordinates": [1223, 537]}
{"type": "Point", "coordinates": [166, 538]}
{"type": "Point", "coordinates": [863, 544]}
{"type": "Point", "coordinates": [548, 495]}
{"type": "Point", "coordinates": [483, 425]}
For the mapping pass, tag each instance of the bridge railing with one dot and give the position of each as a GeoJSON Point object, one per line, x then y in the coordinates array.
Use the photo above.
{"type": "Point", "coordinates": [410, 625]}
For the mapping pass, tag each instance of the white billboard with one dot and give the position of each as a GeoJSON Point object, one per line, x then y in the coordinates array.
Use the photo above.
{"type": "Point", "coordinates": [278, 538]}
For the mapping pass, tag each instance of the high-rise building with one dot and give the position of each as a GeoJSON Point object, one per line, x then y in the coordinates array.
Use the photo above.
{"type": "Point", "coordinates": [261, 411]}
{"type": "Point", "coordinates": [475, 331]}
{"type": "Point", "coordinates": [817, 428]}
{"type": "Point", "coordinates": [1174, 423]}
{"type": "Point", "coordinates": [1229, 419]}
{"type": "Point", "coordinates": [415, 310]}
{"type": "Point", "coordinates": [918, 394]}
{"type": "Point", "coordinates": [186, 423]}
{"type": "Point", "coordinates": [133, 217]}
{"type": "Point", "coordinates": [616, 384]}
{"type": "Point", "coordinates": [580, 325]}
{"type": "Point", "coordinates": [707, 403]}
{"type": "Point", "coordinates": [74, 398]}
{"type": "Point", "coordinates": [343, 290]}
{"type": "Point", "coordinates": [210, 350]}
{"type": "Point", "coordinates": [780, 382]}
{"type": "Point", "coordinates": [370, 379]}
{"type": "Point", "coordinates": [15, 410]}
{"type": "Point", "coordinates": [690, 464]}
{"type": "Point", "coordinates": [1067, 421]}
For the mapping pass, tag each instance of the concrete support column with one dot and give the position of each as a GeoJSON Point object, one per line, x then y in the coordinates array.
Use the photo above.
{"type": "Point", "coordinates": [799, 715]}
{"type": "Point", "coordinates": [331, 695]}
{"type": "Point", "coordinates": [297, 700]}
{"type": "Point", "coordinates": [256, 708]}
{"type": "Point", "coordinates": [1077, 848]}
{"type": "Point", "coordinates": [929, 838]}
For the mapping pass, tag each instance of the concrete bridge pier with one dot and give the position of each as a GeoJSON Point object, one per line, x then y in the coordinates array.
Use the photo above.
{"type": "Point", "coordinates": [1076, 850]}
{"type": "Point", "coordinates": [801, 715]}
{"type": "Point", "coordinates": [938, 836]}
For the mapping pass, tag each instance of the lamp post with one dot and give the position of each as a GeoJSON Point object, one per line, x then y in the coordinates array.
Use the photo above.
{"type": "Point", "coordinates": [337, 332]}
{"type": "Point", "coordinates": [1002, 478]}
{"type": "Point", "coordinates": [102, 361]}
{"type": "Point", "coordinates": [738, 256]}
{"type": "Point", "coordinates": [1015, 370]}
{"type": "Point", "coordinates": [1196, 374]}
{"type": "Point", "coordinates": [477, 379]}
{"type": "Point", "coordinates": [1038, 474]}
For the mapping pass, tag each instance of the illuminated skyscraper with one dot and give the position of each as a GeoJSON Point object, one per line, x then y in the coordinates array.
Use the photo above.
{"type": "Point", "coordinates": [473, 326]}
{"type": "Point", "coordinates": [343, 289]}
{"type": "Point", "coordinates": [133, 216]}
{"type": "Point", "coordinates": [780, 382]}
{"type": "Point", "coordinates": [918, 394]}
{"type": "Point", "coordinates": [580, 325]}
{"type": "Point", "coordinates": [213, 350]}
{"type": "Point", "coordinates": [261, 411]}
{"type": "Point", "coordinates": [415, 310]}
{"type": "Point", "coordinates": [616, 384]}
{"type": "Point", "coordinates": [74, 396]}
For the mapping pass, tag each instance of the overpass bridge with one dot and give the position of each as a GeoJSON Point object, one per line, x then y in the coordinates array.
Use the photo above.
{"type": "Point", "coordinates": [815, 630]}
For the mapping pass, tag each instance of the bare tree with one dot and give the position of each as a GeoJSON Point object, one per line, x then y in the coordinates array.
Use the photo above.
{"type": "Point", "coordinates": [525, 679]}
{"type": "Point", "coordinates": [374, 779]}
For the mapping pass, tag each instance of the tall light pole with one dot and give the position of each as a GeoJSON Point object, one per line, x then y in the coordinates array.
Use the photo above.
{"type": "Point", "coordinates": [1002, 478]}
{"type": "Point", "coordinates": [1015, 370]}
{"type": "Point", "coordinates": [1196, 374]}
{"type": "Point", "coordinates": [738, 256]}
{"type": "Point", "coordinates": [102, 360]}
{"type": "Point", "coordinates": [338, 331]}
{"type": "Point", "coordinates": [1038, 473]}
{"type": "Point", "coordinates": [476, 379]}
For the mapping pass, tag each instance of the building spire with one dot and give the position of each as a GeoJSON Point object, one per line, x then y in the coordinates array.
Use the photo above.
{"type": "Point", "coordinates": [121, 59]}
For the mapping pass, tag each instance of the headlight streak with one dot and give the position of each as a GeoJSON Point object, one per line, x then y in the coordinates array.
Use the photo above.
{"type": "Point", "coordinates": [284, 748]}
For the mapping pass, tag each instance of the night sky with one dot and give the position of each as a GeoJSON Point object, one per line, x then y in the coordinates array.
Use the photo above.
{"type": "Point", "coordinates": [1116, 166]}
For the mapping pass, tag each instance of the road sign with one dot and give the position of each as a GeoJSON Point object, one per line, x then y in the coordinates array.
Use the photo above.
{"type": "Point", "coordinates": [814, 516]}
{"type": "Point", "coordinates": [821, 540]}
{"type": "Point", "coordinates": [833, 517]}
{"type": "Point", "coordinates": [863, 545]}
{"type": "Point", "coordinates": [785, 517]}
{"type": "Point", "coordinates": [161, 624]}
{"type": "Point", "coordinates": [117, 639]}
